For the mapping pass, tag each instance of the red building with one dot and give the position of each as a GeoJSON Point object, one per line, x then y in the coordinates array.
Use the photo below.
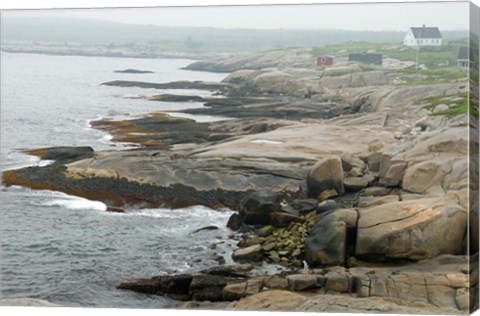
{"type": "Point", "coordinates": [324, 61]}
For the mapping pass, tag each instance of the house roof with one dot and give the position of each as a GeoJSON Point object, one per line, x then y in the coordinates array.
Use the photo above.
{"type": "Point", "coordinates": [463, 53]}
{"type": "Point", "coordinates": [426, 32]}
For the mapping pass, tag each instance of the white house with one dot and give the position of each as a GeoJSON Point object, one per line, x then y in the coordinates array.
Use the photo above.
{"type": "Point", "coordinates": [423, 36]}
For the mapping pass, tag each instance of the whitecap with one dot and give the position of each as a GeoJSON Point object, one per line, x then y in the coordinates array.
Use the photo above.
{"type": "Point", "coordinates": [76, 203]}
{"type": "Point", "coordinates": [107, 138]}
{"type": "Point", "coordinates": [20, 160]}
{"type": "Point", "coordinates": [43, 163]}
{"type": "Point", "coordinates": [191, 217]}
{"type": "Point", "coordinates": [26, 302]}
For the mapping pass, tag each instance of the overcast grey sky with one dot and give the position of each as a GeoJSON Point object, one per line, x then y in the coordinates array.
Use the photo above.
{"type": "Point", "coordinates": [371, 16]}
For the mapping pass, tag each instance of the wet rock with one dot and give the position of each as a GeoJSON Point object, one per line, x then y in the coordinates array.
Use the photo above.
{"type": "Point", "coordinates": [265, 231]}
{"type": "Point", "coordinates": [281, 219]}
{"type": "Point", "coordinates": [326, 174]}
{"type": "Point", "coordinates": [250, 241]}
{"type": "Point", "coordinates": [304, 205]}
{"type": "Point", "coordinates": [178, 285]}
{"type": "Point", "coordinates": [274, 256]}
{"type": "Point", "coordinates": [257, 208]}
{"type": "Point", "coordinates": [235, 222]}
{"type": "Point", "coordinates": [327, 206]}
{"type": "Point", "coordinates": [115, 209]}
{"type": "Point", "coordinates": [196, 85]}
{"type": "Point", "coordinates": [326, 243]}
{"type": "Point", "coordinates": [289, 209]}
{"type": "Point", "coordinates": [252, 253]}
{"type": "Point", "coordinates": [210, 227]}
{"type": "Point", "coordinates": [134, 71]}
{"type": "Point", "coordinates": [63, 154]}
{"type": "Point", "coordinates": [219, 259]}
{"type": "Point", "coordinates": [270, 246]}
{"type": "Point", "coordinates": [176, 98]}
{"type": "Point", "coordinates": [148, 286]}
{"type": "Point", "coordinates": [234, 270]}
{"type": "Point", "coordinates": [207, 288]}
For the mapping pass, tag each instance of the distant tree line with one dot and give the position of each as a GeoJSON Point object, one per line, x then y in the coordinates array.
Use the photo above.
{"type": "Point", "coordinates": [188, 39]}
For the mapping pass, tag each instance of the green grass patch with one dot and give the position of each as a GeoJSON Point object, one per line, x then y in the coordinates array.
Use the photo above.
{"type": "Point", "coordinates": [459, 109]}
{"type": "Point", "coordinates": [456, 107]}
{"type": "Point", "coordinates": [431, 76]}
{"type": "Point", "coordinates": [432, 57]}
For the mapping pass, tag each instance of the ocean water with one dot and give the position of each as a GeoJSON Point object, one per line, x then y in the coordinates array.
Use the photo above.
{"type": "Point", "coordinates": [67, 250]}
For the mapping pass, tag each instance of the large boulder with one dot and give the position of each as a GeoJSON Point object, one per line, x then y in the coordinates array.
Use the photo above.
{"type": "Point", "coordinates": [326, 174]}
{"type": "Point", "coordinates": [420, 177]}
{"type": "Point", "coordinates": [326, 244]}
{"type": "Point", "coordinates": [415, 229]}
{"type": "Point", "coordinates": [235, 222]}
{"type": "Point", "coordinates": [258, 207]}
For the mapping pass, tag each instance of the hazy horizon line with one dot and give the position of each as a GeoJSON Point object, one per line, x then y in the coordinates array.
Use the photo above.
{"type": "Point", "coordinates": [212, 27]}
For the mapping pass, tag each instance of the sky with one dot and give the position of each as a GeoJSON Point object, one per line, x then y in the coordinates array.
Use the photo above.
{"type": "Point", "coordinates": [370, 16]}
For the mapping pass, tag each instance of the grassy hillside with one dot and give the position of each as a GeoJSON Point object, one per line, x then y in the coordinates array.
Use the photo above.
{"type": "Point", "coordinates": [432, 57]}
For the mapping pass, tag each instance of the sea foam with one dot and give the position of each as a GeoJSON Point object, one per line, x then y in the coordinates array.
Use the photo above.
{"type": "Point", "coordinates": [76, 203]}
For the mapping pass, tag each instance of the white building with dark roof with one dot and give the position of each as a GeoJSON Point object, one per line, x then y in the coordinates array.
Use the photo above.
{"type": "Point", "coordinates": [423, 36]}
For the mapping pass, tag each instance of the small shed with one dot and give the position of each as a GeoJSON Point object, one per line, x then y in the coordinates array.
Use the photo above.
{"type": "Point", "coordinates": [375, 59]}
{"type": "Point", "coordinates": [325, 60]}
{"type": "Point", "coordinates": [463, 57]}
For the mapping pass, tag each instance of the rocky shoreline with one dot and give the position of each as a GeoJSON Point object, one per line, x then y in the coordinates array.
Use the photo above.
{"type": "Point", "coordinates": [356, 186]}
